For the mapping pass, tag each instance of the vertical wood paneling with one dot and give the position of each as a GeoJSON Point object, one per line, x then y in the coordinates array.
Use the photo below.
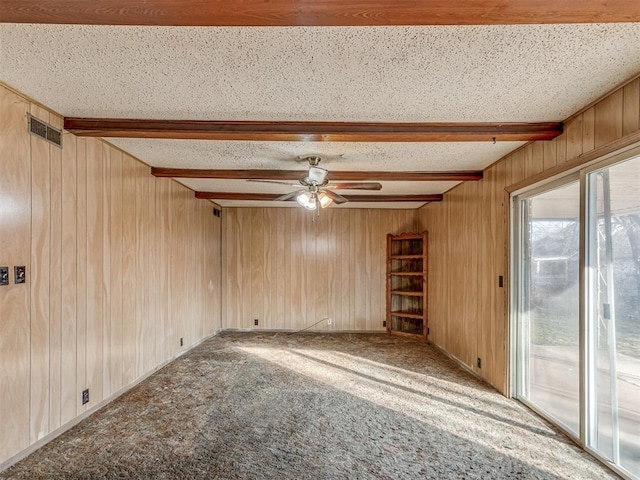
{"type": "Point", "coordinates": [128, 270]}
{"type": "Point", "coordinates": [588, 129]}
{"type": "Point", "coordinates": [69, 280]}
{"type": "Point", "coordinates": [81, 286]}
{"type": "Point", "coordinates": [630, 109]}
{"type": "Point", "coordinates": [310, 295]}
{"type": "Point", "coordinates": [608, 118]}
{"type": "Point", "coordinates": [487, 277]}
{"type": "Point", "coordinates": [550, 150]}
{"type": "Point", "coordinates": [234, 255]}
{"type": "Point", "coordinates": [537, 158]}
{"type": "Point", "coordinates": [256, 267]}
{"type": "Point", "coordinates": [95, 288]}
{"type": "Point", "coordinates": [287, 268]}
{"type": "Point", "coordinates": [106, 270]}
{"type": "Point", "coordinates": [347, 273]}
{"type": "Point", "coordinates": [40, 267]}
{"type": "Point", "coordinates": [499, 222]}
{"type": "Point", "coordinates": [459, 280]}
{"type": "Point", "coordinates": [189, 247]}
{"type": "Point", "coordinates": [295, 262]}
{"type": "Point", "coordinates": [148, 281]}
{"type": "Point", "coordinates": [55, 285]}
{"type": "Point", "coordinates": [94, 229]}
{"type": "Point", "coordinates": [101, 232]}
{"type": "Point", "coordinates": [116, 271]}
{"type": "Point", "coordinates": [527, 155]}
{"type": "Point", "coordinates": [333, 262]}
{"type": "Point", "coordinates": [15, 185]}
{"type": "Point", "coordinates": [140, 272]}
{"type": "Point", "coordinates": [269, 271]}
{"type": "Point", "coordinates": [163, 226]}
{"type": "Point", "coordinates": [302, 265]}
{"type": "Point", "coordinates": [320, 280]}
{"type": "Point", "coordinates": [561, 151]}
{"type": "Point", "coordinates": [518, 170]}
{"type": "Point", "coordinates": [368, 264]}
{"type": "Point", "coordinates": [179, 275]}
{"type": "Point", "coordinates": [290, 271]}
{"type": "Point", "coordinates": [573, 130]}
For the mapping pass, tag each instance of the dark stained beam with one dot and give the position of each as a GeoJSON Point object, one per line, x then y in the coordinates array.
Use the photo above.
{"type": "Point", "coordinates": [313, 131]}
{"type": "Point", "coordinates": [351, 198]}
{"type": "Point", "coordinates": [443, 176]}
{"type": "Point", "coordinates": [317, 12]}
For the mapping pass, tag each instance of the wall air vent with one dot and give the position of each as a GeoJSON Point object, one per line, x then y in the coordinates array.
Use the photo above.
{"type": "Point", "coordinates": [44, 131]}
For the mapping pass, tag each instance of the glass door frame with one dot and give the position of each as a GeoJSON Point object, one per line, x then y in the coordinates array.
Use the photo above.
{"type": "Point", "coordinates": [519, 270]}
{"type": "Point", "coordinates": [587, 287]}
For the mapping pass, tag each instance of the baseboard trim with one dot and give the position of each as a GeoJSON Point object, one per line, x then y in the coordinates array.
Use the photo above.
{"type": "Point", "coordinates": [67, 426]}
{"type": "Point", "coordinates": [283, 330]}
{"type": "Point", "coordinates": [465, 367]}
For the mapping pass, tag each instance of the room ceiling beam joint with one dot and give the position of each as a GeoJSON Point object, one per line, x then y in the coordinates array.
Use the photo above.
{"type": "Point", "coordinates": [338, 176]}
{"type": "Point", "coordinates": [288, 13]}
{"type": "Point", "coordinates": [313, 131]}
{"type": "Point", "coordinates": [352, 198]}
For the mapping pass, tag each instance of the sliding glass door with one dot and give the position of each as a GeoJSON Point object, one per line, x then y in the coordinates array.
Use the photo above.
{"type": "Point", "coordinates": [550, 246]}
{"type": "Point", "coordinates": [614, 312]}
{"type": "Point", "coordinates": [577, 296]}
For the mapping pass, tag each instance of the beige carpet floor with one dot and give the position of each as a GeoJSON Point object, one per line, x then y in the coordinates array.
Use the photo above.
{"type": "Point", "coordinates": [311, 406]}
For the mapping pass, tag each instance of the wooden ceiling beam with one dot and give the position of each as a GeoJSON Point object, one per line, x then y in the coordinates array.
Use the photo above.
{"type": "Point", "coordinates": [338, 176]}
{"type": "Point", "coordinates": [313, 131]}
{"type": "Point", "coordinates": [317, 13]}
{"type": "Point", "coordinates": [352, 198]}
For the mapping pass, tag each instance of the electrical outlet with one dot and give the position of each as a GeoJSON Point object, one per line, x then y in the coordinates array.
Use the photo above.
{"type": "Point", "coordinates": [501, 281]}
{"type": "Point", "coordinates": [4, 275]}
{"type": "Point", "coordinates": [85, 396]}
{"type": "Point", "coordinates": [479, 362]}
{"type": "Point", "coordinates": [328, 321]}
{"type": "Point", "coordinates": [255, 321]}
{"type": "Point", "coordinates": [181, 342]}
{"type": "Point", "coordinates": [384, 323]}
{"type": "Point", "coordinates": [19, 274]}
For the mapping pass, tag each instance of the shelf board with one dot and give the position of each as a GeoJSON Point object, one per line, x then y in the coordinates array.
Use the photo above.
{"type": "Point", "coordinates": [407, 274]}
{"type": "Point", "coordinates": [406, 257]}
{"type": "Point", "coordinates": [418, 316]}
{"type": "Point", "coordinates": [407, 293]}
{"type": "Point", "coordinates": [406, 334]}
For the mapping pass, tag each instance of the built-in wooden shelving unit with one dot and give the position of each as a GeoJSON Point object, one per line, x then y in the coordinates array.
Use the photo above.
{"type": "Point", "coordinates": [407, 284]}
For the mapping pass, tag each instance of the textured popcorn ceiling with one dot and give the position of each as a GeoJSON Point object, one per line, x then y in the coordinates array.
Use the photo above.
{"type": "Point", "coordinates": [336, 155]}
{"type": "Point", "coordinates": [388, 74]}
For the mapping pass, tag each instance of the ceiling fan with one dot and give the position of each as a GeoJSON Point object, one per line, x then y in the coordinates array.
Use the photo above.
{"type": "Point", "coordinates": [317, 191]}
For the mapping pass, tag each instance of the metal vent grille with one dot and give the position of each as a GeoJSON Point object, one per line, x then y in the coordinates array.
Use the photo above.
{"type": "Point", "coordinates": [45, 131]}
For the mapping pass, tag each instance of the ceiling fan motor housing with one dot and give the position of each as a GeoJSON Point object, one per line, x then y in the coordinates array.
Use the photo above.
{"type": "Point", "coordinates": [315, 176]}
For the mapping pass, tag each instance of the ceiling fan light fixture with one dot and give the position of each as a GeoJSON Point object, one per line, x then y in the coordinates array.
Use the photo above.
{"type": "Point", "coordinates": [324, 200]}
{"type": "Point", "coordinates": [307, 200]}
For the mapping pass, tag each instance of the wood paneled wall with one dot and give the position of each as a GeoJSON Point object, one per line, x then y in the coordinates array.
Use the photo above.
{"type": "Point", "coordinates": [468, 233]}
{"type": "Point", "coordinates": [120, 266]}
{"type": "Point", "coordinates": [290, 272]}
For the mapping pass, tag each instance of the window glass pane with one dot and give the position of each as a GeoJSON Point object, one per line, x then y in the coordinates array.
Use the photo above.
{"type": "Point", "coordinates": [615, 313]}
{"type": "Point", "coordinates": [549, 303]}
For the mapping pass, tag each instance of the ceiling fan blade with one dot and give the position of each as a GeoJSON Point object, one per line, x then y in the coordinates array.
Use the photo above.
{"type": "Point", "coordinates": [288, 184]}
{"type": "Point", "coordinates": [287, 196]}
{"type": "Point", "coordinates": [336, 197]}
{"type": "Point", "coordinates": [356, 186]}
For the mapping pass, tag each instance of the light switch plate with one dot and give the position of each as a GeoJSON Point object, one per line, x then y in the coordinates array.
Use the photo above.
{"type": "Point", "coordinates": [19, 274]}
